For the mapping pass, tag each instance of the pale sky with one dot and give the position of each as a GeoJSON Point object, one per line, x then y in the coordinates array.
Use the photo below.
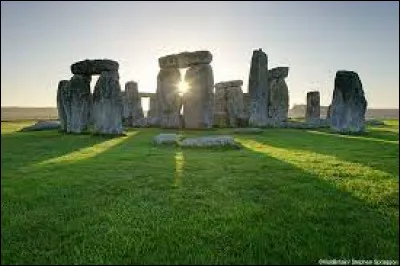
{"type": "Point", "coordinates": [40, 40]}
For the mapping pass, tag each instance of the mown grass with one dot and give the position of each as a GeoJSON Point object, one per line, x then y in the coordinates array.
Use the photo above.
{"type": "Point", "coordinates": [288, 196]}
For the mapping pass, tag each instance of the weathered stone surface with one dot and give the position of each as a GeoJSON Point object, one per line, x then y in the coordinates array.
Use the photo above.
{"type": "Point", "coordinates": [198, 108]}
{"type": "Point", "coordinates": [321, 123]}
{"type": "Point", "coordinates": [42, 125]}
{"type": "Point", "coordinates": [348, 105]}
{"type": "Point", "coordinates": [249, 130]}
{"type": "Point", "coordinates": [235, 107]}
{"type": "Point", "coordinates": [227, 84]}
{"type": "Point", "coordinates": [247, 105]}
{"type": "Point", "coordinates": [152, 106]}
{"type": "Point", "coordinates": [220, 107]}
{"type": "Point", "coordinates": [185, 59]}
{"type": "Point", "coordinates": [328, 112]}
{"type": "Point", "coordinates": [209, 141]}
{"type": "Point", "coordinates": [374, 122]}
{"type": "Point", "coordinates": [94, 67]}
{"type": "Point", "coordinates": [62, 95]}
{"type": "Point", "coordinates": [313, 107]}
{"type": "Point", "coordinates": [169, 102]}
{"type": "Point", "coordinates": [77, 103]}
{"type": "Point", "coordinates": [107, 104]}
{"type": "Point", "coordinates": [258, 89]}
{"type": "Point", "coordinates": [132, 103]}
{"type": "Point", "coordinates": [166, 139]}
{"type": "Point", "coordinates": [278, 100]}
{"type": "Point", "coordinates": [278, 73]}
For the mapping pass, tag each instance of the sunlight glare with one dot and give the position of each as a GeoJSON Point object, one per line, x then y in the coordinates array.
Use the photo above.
{"type": "Point", "coordinates": [182, 87]}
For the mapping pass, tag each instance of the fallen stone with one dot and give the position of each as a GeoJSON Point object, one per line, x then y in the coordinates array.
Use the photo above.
{"type": "Point", "coordinates": [374, 122]}
{"type": "Point", "coordinates": [247, 130]}
{"type": "Point", "coordinates": [94, 67]}
{"type": "Point", "coordinates": [42, 125]}
{"type": "Point", "coordinates": [166, 139]}
{"type": "Point", "coordinates": [347, 112]}
{"type": "Point", "coordinates": [209, 141]}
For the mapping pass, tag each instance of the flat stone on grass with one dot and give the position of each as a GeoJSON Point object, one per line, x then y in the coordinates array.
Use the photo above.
{"type": "Point", "coordinates": [164, 138]}
{"type": "Point", "coordinates": [42, 125]}
{"type": "Point", "coordinates": [253, 130]}
{"type": "Point", "coordinates": [209, 141]}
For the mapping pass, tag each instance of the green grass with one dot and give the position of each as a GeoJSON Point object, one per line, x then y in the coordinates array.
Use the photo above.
{"type": "Point", "coordinates": [288, 196]}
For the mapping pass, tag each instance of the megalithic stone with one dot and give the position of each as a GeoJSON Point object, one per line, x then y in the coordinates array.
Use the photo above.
{"type": "Point", "coordinates": [78, 103]}
{"type": "Point", "coordinates": [235, 107]}
{"type": "Point", "coordinates": [258, 89]}
{"type": "Point", "coordinates": [278, 101]}
{"type": "Point", "coordinates": [62, 105]}
{"type": "Point", "coordinates": [198, 107]}
{"type": "Point", "coordinates": [107, 104]}
{"type": "Point", "coordinates": [169, 102]}
{"type": "Point", "coordinates": [313, 107]}
{"type": "Point", "coordinates": [347, 112]}
{"type": "Point", "coordinates": [133, 110]}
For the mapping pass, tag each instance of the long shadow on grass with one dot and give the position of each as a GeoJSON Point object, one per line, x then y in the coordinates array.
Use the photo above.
{"type": "Point", "coordinates": [21, 149]}
{"type": "Point", "coordinates": [378, 155]}
{"type": "Point", "coordinates": [138, 203]}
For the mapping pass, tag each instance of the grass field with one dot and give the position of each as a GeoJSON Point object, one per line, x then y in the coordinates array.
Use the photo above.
{"type": "Point", "coordinates": [288, 196]}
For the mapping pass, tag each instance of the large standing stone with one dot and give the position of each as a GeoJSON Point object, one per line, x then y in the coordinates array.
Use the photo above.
{"type": "Point", "coordinates": [278, 100]}
{"type": "Point", "coordinates": [247, 105]}
{"type": "Point", "coordinates": [133, 111]}
{"type": "Point", "coordinates": [235, 107]}
{"type": "Point", "coordinates": [77, 104]}
{"type": "Point", "coordinates": [107, 104]}
{"type": "Point", "coordinates": [62, 94]}
{"type": "Point", "coordinates": [347, 112]}
{"type": "Point", "coordinates": [313, 107]}
{"type": "Point", "coordinates": [198, 108]}
{"type": "Point", "coordinates": [152, 115]}
{"type": "Point", "coordinates": [94, 67]}
{"type": "Point", "coordinates": [258, 89]}
{"type": "Point", "coordinates": [169, 102]}
{"type": "Point", "coordinates": [220, 107]}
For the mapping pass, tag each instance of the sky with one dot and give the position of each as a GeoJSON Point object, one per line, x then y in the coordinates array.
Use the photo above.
{"type": "Point", "coordinates": [40, 40]}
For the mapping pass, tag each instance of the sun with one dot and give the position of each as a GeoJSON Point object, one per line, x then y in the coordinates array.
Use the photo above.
{"type": "Point", "coordinates": [182, 87]}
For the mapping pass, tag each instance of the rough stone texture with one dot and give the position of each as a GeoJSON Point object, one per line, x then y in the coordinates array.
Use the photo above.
{"type": "Point", "coordinates": [185, 59]}
{"type": "Point", "coordinates": [235, 107]}
{"type": "Point", "coordinates": [328, 112]}
{"type": "Point", "coordinates": [313, 107]}
{"type": "Point", "coordinates": [42, 125]}
{"type": "Point", "coordinates": [166, 139]}
{"type": "Point", "coordinates": [247, 130]}
{"type": "Point", "coordinates": [198, 108]}
{"type": "Point", "coordinates": [220, 107]}
{"type": "Point", "coordinates": [278, 72]}
{"type": "Point", "coordinates": [62, 94]}
{"type": "Point", "coordinates": [258, 89]}
{"type": "Point", "coordinates": [247, 105]}
{"type": "Point", "coordinates": [107, 104]}
{"type": "Point", "coordinates": [169, 102]}
{"type": "Point", "coordinates": [348, 108]}
{"type": "Point", "coordinates": [152, 106]}
{"type": "Point", "coordinates": [321, 123]}
{"type": "Point", "coordinates": [132, 103]}
{"type": "Point", "coordinates": [209, 141]}
{"type": "Point", "coordinates": [227, 84]}
{"type": "Point", "coordinates": [278, 100]}
{"type": "Point", "coordinates": [374, 122]}
{"type": "Point", "coordinates": [94, 67]}
{"type": "Point", "coordinates": [78, 103]}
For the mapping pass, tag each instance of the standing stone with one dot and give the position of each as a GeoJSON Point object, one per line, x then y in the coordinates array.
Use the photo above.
{"type": "Point", "coordinates": [235, 107]}
{"type": "Point", "coordinates": [347, 112]}
{"type": "Point", "coordinates": [258, 89]}
{"type": "Point", "coordinates": [313, 107]}
{"type": "Point", "coordinates": [328, 113]}
{"type": "Point", "coordinates": [152, 117]}
{"type": "Point", "coordinates": [107, 104]}
{"type": "Point", "coordinates": [62, 95]}
{"type": "Point", "coordinates": [278, 101]}
{"type": "Point", "coordinates": [220, 107]}
{"type": "Point", "coordinates": [169, 102]}
{"type": "Point", "coordinates": [247, 105]}
{"type": "Point", "coordinates": [198, 108]}
{"type": "Point", "coordinates": [133, 103]}
{"type": "Point", "coordinates": [78, 103]}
